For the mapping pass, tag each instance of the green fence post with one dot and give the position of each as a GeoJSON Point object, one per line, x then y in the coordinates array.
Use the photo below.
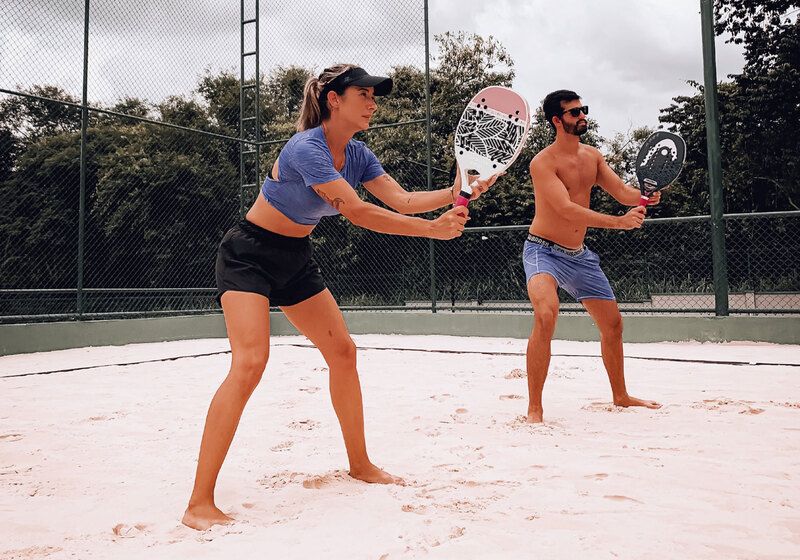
{"type": "Point", "coordinates": [714, 161]}
{"type": "Point", "coordinates": [79, 304]}
{"type": "Point", "coordinates": [428, 166]}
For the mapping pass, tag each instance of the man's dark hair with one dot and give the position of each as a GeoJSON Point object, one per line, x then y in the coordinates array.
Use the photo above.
{"type": "Point", "coordinates": [552, 104]}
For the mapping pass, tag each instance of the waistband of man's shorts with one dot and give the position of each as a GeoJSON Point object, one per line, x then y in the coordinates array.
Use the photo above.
{"type": "Point", "coordinates": [555, 246]}
{"type": "Point", "coordinates": [274, 239]}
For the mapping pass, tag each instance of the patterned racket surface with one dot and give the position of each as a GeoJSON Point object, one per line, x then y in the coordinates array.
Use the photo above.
{"type": "Point", "coordinates": [491, 133]}
{"type": "Point", "coordinates": [659, 161]}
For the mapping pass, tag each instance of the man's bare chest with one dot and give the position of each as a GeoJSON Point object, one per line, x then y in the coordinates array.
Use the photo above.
{"type": "Point", "coordinates": [578, 174]}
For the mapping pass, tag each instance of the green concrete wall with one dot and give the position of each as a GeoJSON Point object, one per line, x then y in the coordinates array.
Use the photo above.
{"type": "Point", "coordinates": [40, 337]}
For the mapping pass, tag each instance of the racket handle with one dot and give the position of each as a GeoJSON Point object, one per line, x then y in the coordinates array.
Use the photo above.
{"type": "Point", "coordinates": [643, 200]}
{"type": "Point", "coordinates": [465, 195]}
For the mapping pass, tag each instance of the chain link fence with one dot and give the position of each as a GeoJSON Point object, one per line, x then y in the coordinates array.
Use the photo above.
{"type": "Point", "coordinates": [121, 171]}
{"type": "Point", "coordinates": [664, 267]}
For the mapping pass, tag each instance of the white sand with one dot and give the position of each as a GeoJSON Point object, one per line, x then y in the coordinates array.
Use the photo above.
{"type": "Point", "coordinates": [99, 463]}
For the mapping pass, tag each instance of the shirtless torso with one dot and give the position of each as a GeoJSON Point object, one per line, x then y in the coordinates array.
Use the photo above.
{"type": "Point", "coordinates": [578, 173]}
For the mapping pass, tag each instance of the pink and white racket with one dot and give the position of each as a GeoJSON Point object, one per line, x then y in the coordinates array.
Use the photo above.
{"type": "Point", "coordinates": [490, 135]}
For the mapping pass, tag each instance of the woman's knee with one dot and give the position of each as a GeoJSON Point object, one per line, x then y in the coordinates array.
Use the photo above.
{"type": "Point", "coordinates": [341, 352]}
{"type": "Point", "coordinates": [247, 367]}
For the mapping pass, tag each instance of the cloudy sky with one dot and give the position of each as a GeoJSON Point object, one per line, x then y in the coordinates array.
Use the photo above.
{"type": "Point", "coordinates": [627, 58]}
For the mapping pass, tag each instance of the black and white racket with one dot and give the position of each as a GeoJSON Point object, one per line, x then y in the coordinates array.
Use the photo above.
{"type": "Point", "coordinates": [659, 163]}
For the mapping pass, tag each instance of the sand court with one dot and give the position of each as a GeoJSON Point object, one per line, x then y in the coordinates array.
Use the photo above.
{"type": "Point", "coordinates": [98, 461]}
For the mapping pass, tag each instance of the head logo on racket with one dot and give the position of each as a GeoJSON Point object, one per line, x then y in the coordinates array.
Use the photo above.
{"type": "Point", "coordinates": [659, 162]}
{"type": "Point", "coordinates": [490, 135]}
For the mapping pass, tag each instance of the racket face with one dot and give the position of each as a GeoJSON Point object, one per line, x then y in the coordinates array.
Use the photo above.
{"type": "Point", "coordinates": [659, 161]}
{"type": "Point", "coordinates": [492, 130]}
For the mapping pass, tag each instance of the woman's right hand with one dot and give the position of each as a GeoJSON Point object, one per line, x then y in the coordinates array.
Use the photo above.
{"type": "Point", "coordinates": [450, 224]}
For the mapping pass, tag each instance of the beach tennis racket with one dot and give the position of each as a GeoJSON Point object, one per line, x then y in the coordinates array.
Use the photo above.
{"type": "Point", "coordinates": [490, 135]}
{"type": "Point", "coordinates": [659, 163]}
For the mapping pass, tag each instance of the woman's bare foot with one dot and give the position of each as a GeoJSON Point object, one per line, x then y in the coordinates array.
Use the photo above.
{"type": "Point", "coordinates": [632, 401]}
{"type": "Point", "coordinates": [203, 517]}
{"type": "Point", "coordinates": [535, 415]}
{"type": "Point", "coordinates": [374, 475]}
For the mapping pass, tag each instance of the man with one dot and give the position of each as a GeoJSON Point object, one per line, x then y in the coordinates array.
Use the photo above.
{"type": "Point", "coordinates": [554, 255]}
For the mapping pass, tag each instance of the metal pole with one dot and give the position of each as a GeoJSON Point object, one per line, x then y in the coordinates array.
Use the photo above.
{"type": "Point", "coordinates": [714, 160]}
{"type": "Point", "coordinates": [242, 178]}
{"type": "Point", "coordinates": [429, 166]}
{"type": "Point", "coordinates": [82, 187]}
{"type": "Point", "coordinates": [258, 97]}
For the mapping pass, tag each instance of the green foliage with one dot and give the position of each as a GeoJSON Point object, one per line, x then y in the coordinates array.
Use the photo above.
{"type": "Point", "coordinates": [759, 111]}
{"type": "Point", "coordinates": [158, 199]}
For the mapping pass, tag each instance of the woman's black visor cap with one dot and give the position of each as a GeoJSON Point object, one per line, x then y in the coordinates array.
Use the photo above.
{"type": "Point", "coordinates": [360, 77]}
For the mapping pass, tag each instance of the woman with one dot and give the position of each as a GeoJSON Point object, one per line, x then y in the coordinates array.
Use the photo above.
{"type": "Point", "coordinates": [266, 260]}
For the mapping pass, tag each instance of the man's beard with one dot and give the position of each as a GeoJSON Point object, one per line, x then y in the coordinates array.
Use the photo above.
{"type": "Point", "coordinates": [578, 129]}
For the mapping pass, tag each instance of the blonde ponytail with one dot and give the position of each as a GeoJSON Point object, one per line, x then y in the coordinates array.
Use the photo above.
{"type": "Point", "coordinates": [314, 109]}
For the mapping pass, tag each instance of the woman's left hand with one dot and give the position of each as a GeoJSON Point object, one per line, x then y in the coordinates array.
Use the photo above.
{"type": "Point", "coordinates": [479, 186]}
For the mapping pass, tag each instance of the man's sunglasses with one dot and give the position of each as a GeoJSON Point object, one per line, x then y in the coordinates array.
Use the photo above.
{"type": "Point", "coordinates": [576, 111]}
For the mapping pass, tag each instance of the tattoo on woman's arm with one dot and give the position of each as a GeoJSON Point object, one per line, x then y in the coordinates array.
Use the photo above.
{"type": "Point", "coordinates": [335, 202]}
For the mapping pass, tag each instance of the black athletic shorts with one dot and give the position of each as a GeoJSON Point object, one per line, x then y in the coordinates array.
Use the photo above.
{"type": "Point", "coordinates": [256, 260]}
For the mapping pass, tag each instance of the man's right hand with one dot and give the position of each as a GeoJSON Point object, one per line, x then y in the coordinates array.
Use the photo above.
{"type": "Point", "coordinates": [633, 219]}
{"type": "Point", "coordinates": [450, 224]}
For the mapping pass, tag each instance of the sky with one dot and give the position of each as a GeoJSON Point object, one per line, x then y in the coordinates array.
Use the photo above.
{"type": "Point", "coordinates": [627, 58]}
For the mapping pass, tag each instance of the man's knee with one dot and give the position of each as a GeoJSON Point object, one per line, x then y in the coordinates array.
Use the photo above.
{"type": "Point", "coordinates": [545, 317]}
{"type": "Point", "coordinates": [612, 328]}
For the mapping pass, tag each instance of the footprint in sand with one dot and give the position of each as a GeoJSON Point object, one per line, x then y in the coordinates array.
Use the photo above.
{"type": "Point", "coordinates": [283, 446]}
{"type": "Point", "coordinates": [11, 437]}
{"type": "Point", "coordinates": [597, 476]}
{"type": "Point", "coordinates": [604, 407]}
{"type": "Point", "coordinates": [307, 424]}
{"type": "Point", "coordinates": [515, 374]}
{"type": "Point", "coordinates": [129, 531]}
{"type": "Point", "coordinates": [510, 397]}
{"type": "Point", "coordinates": [751, 410]}
{"type": "Point", "coordinates": [457, 532]}
{"type": "Point", "coordinates": [724, 402]}
{"type": "Point", "coordinates": [418, 509]}
{"type": "Point", "coordinates": [281, 479]}
{"type": "Point", "coordinates": [618, 498]}
{"type": "Point", "coordinates": [462, 506]}
{"type": "Point", "coordinates": [318, 482]}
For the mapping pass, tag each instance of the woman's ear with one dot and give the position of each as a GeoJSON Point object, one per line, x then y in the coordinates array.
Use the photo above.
{"type": "Point", "coordinates": [333, 99]}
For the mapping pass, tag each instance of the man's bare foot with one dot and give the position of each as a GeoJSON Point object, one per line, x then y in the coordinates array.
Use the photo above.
{"type": "Point", "coordinates": [374, 475]}
{"type": "Point", "coordinates": [203, 517]}
{"type": "Point", "coordinates": [632, 401]}
{"type": "Point", "coordinates": [535, 415]}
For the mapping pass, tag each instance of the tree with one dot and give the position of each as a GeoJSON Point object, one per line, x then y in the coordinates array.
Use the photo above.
{"type": "Point", "coordinates": [759, 112]}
